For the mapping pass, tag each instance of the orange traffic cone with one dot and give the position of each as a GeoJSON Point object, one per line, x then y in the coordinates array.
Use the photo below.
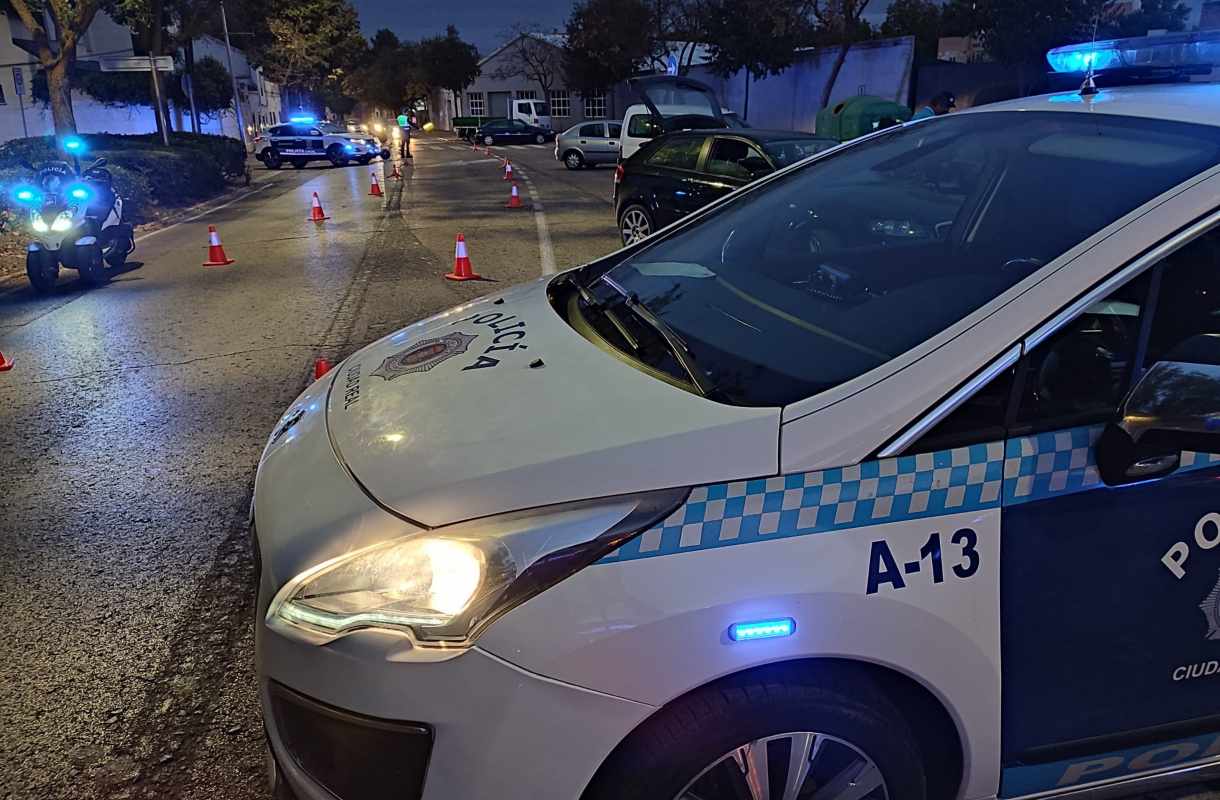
{"type": "Point", "coordinates": [316, 214]}
{"type": "Point", "coordinates": [514, 199]}
{"type": "Point", "coordinates": [396, 175]}
{"type": "Point", "coordinates": [508, 170]}
{"type": "Point", "coordinates": [375, 189]}
{"type": "Point", "coordinates": [320, 367]}
{"type": "Point", "coordinates": [216, 251]}
{"type": "Point", "coordinates": [462, 271]}
{"type": "Point", "coordinates": [5, 363]}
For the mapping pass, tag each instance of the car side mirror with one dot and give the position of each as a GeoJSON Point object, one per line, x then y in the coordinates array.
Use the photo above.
{"type": "Point", "coordinates": [1175, 406]}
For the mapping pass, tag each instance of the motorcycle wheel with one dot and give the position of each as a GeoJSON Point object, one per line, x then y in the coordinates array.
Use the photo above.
{"type": "Point", "coordinates": [92, 270]}
{"type": "Point", "coordinates": [42, 270]}
{"type": "Point", "coordinates": [116, 254]}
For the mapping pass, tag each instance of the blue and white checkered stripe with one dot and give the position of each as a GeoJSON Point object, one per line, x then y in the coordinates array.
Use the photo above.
{"type": "Point", "coordinates": [908, 487]}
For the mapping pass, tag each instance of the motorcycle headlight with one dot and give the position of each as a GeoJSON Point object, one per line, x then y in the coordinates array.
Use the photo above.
{"type": "Point", "coordinates": [38, 223]}
{"type": "Point", "coordinates": [62, 222]}
{"type": "Point", "coordinates": [443, 587]}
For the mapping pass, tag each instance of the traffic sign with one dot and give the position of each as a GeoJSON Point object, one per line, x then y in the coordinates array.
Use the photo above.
{"type": "Point", "coordinates": [671, 65]}
{"type": "Point", "coordinates": [19, 81]}
{"type": "Point", "coordinates": [135, 63]}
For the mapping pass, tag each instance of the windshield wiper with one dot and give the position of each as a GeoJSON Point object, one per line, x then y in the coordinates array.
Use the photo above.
{"type": "Point", "coordinates": [681, 352]}
{"type": "Point", "coordinates": [592, 301]}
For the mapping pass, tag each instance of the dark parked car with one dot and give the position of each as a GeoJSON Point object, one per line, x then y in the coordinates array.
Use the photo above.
{"type": "Point", "coordinates": [673, 175]}
{"type": "Point", "coordinates": [512, 131]}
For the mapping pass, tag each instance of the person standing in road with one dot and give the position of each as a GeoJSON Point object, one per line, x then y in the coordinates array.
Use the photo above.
{"type": "Point", "coordinates": [938, 106]}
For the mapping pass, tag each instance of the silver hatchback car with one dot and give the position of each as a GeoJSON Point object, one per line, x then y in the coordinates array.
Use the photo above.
{"type": "Point", "coordinates": [588, 144]}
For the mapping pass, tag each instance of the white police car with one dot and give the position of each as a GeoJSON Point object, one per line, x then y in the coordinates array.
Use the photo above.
{"type": "Point", "coordinates": [304, 139]}
{"type": "Point", "coordinates": [884, 477]}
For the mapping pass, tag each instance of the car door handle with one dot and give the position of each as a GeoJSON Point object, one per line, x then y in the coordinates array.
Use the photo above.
{"type": "Point", "coordinates": [582, 141]}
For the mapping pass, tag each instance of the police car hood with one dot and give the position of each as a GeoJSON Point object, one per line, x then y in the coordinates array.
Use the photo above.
{"type": "Point", "coordinates": [499, 405]}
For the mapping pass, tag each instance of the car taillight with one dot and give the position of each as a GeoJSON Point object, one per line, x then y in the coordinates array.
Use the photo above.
{"type": "Point", "coordinates": [618, 174]}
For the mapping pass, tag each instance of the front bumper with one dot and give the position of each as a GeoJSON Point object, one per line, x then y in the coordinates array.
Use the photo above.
{"type": "Point", "coordinates": [472, 727]}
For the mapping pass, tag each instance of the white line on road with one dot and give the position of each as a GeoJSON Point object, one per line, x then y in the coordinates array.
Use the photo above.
{"type": "Point", "coordinates": [546, 252]}
{"type": "Point", "coordinates": [204, 213]}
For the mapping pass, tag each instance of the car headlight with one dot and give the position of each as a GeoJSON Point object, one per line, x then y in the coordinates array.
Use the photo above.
{"type": "Point", "coordinates": [62, 222]}
{"type": "Point", "coordinates": [38, 223]}
{"type": "Point", "coordinates": [442, 588]}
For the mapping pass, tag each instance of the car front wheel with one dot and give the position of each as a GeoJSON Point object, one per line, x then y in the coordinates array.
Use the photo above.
{"type": "Point", "coordinates": [635, 224]}
{"type": "Point", "coordinates": [272, 159]}
{"type": "Point", "coordinates": [489, 140]}
{"type": "Point", "coordinates": [539, 138]}
{"type": "Point", "coordinates": [336, 155]}
{"type": "Point", "coordinates": [573, 159]}
{"type": "Point", "coordinates": [785, 731]}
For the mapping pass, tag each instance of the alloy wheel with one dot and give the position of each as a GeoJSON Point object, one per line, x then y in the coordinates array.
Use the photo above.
{"type": "Point", "coordinates": [804, 764]}
{"type": "Point", "coordinates": [636, 226]}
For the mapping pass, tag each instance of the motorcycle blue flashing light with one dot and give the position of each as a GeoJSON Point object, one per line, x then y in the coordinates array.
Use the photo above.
{"type": "Point", "coordinates": [762, 629]}
{"type": "Point", "coordinates": [1197, 51]}
{"type": "Point", "coordinates": [25, 195]}
{"type": "Point", "coordinates": [79, 192]}
{"type": "Point", "coordinates": [73, 144]}
{"type": "Point", "coordinates": [349, 148]}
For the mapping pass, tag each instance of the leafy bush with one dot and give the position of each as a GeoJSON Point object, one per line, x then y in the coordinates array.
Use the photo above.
{"type": "Point", "coordinates": [146, 174]}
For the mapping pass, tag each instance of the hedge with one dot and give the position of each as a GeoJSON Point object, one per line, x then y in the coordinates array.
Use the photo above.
{"type": "Point", "coordinates": [147, 175]}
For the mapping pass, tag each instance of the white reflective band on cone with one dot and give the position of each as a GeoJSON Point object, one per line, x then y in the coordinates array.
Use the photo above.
{"type": "Point", "coordinates": [459, 250]}
{"type": "Point", "coordinates": [213, 238]}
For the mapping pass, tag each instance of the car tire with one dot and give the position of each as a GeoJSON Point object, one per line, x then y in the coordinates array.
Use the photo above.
{"type": "Point", "coordinates": [335, 155]}
{"type": "Point", "coordinates": [690, 745]}
{"type": "Point", "coordinates": [539, 138]}
{"type": "Point", "coordinates": [42, 269]}
{"type": "Point", "coordinates": [489, 140]}
{"type": "Point", "coordinates": [299, 163]}
{"type": "Point", "coordinates": [635, 224]}
{"type": "Point", "coordinates": [573, 160]}
{"type": "Point", "coordinates": [272, 159]}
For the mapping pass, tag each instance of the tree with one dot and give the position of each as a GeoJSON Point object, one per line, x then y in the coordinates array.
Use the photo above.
{"type": "Point", "coordinates": [148, 20]}
{"type": "Point", "coordinates": [390, 76]}
{"type": "Point", "coordinates": [608, 41]}
{"type": "Point", "coordinates": [531, 55]}
{"type": "Point", "coordinates": [1153, 15]}
{"type": "Point", "coordinates": [918, 18]}
{"type": "Point", "coordinates": [310, 41]}
{"type": "Point", "coordinates": [70, 18]}
{"type": "Point", "coordinates": [1019, 32]}
{"type": "Point", "coordinates": [212, 84]}
{"type": "Point", "coordinates": [841, 22]}
{"type": "Point", "coordinates": [448, 62]}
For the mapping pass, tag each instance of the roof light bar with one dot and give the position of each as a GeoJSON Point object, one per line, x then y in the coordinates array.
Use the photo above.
{"type": "Point", "coordinates": [1195, 50]}
{"type": "Point", "coordinates": [303, 118]}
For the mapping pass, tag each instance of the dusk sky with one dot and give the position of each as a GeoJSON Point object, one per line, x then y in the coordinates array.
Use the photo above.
{"type": "Point", "coordinates": [487, 22]}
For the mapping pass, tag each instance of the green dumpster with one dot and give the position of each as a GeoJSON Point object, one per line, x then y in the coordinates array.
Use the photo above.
{"type": "Point", "coordinates": [859, 115]}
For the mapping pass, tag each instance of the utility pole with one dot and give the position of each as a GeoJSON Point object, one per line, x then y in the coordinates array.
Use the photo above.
{"type": "Point", "coordinates": [241, 125]}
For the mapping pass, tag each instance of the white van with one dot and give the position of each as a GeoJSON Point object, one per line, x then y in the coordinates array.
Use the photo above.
{"type": "Point", "coordinates": [531, 112]}
{"type": "Point", "coordinates": [670, 103]}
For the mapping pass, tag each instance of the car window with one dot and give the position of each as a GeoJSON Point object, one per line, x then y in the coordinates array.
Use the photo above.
{"type": "Point", "coordinates": [541, 109]}
{"type": "Point", "coordinates": [681, 152]}
{"type": "Point", "coordinates": [643, 126]}
{"type": "Point", "coordinates": [594, 129]}
{"type": "Point", "coordinates": [791, 151]}
{"type": "Point", "coordinates": [1079, 375]}
{"type": "Point", "coordinates": [734, 158]}
{"type": "Point", "coordinates": [278, 130]}
{"type": "Point", "coordinates": [778, 293]}
{"type": "Point", "coordinates": [1188, 297]}
{"type": "Point", "coordinates": [616, 130]}
{"type": "Point", "coordinates": [519, 125]}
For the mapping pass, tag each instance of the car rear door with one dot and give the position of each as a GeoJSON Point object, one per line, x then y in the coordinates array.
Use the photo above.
{"type": "Point", "coordinates": [671, 173]}
{"type": "Point", "coordinates": [592, 141]}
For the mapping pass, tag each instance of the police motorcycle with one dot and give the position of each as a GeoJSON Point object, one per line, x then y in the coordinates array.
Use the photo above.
{"type": "Point", "coordinates": [75, 218]}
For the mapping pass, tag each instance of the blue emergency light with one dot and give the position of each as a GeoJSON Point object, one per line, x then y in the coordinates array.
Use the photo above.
{"type": "Point", "coordinates": [304, 119]}
{"type": "Point", "coordinates": [762, 629]}
{"type": "Point", "coordinates": [25, 195]}
{"type": "Point", "coordinates": [1193, 52]}
{"type": "Point", "coordinates": [79, 192]}
{"type": "Point", "coordinates": [73, 144]}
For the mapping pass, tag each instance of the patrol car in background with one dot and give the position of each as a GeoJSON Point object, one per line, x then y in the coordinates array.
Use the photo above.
{"type": "Point", "coordinates": [890, 476]}
{"type": "Point", "coordinates": [303, 139]}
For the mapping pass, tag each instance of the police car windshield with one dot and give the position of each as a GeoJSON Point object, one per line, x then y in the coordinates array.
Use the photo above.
{"type": "Point", "coordinates": [840, 266]}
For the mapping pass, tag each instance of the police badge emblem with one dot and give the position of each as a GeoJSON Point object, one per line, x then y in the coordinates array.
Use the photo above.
{"type": "Point", "coordinates": [423, 356]}
{"type": "Point", "coordinates": [1211, 609]}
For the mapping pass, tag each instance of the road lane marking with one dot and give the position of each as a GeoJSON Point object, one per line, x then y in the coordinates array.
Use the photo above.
{"type": "Point", "coordinates": [546, 251]}
{"type": "Point", "coordinates": [205, 212]}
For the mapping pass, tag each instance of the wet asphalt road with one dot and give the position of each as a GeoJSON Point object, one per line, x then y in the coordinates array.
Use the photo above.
{"type": "Point", "coordinates": [130, 428]}
{"type": "Point", "coordinates": [131, 425]}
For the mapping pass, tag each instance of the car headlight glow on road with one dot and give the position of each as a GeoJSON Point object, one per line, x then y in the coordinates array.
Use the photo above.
{"type": "Point", "coordinates": [62, 222]}
{"type": "Point", "coordinates": [443, 587]}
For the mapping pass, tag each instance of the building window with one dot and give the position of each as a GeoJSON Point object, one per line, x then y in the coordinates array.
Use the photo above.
{"type": "Point", "coordinates": [595, 106]}
{"type": "Point", "coordinates": [475, 101]}
{"type": "Point", "coordinates": [527, 94]}
{"type": "Point", "coordinates": [561, 104]}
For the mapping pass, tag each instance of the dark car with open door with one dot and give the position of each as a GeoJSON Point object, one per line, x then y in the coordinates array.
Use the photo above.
{"type": "Point", "coordinates": [672, 175]}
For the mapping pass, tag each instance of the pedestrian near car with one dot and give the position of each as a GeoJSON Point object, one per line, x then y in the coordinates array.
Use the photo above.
{"type": "Point", "coordinates": [941, 104]}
